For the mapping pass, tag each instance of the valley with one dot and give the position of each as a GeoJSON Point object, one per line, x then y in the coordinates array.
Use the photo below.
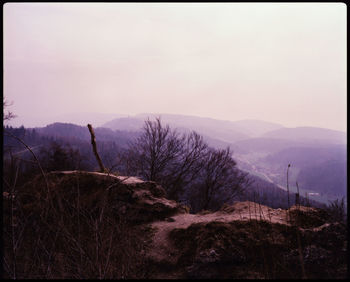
{"type": "Point", "coordinates": [262, 149]}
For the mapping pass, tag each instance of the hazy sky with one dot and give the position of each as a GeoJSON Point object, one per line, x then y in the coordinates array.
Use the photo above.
{"type": "Point", "coordinates": [282, 62]}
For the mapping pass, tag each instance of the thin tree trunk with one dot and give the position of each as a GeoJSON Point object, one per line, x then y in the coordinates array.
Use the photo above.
{"type": "Point", "coordinates": [93, 142]}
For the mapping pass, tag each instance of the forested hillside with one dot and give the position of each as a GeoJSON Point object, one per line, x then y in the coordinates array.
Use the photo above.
{"type": "Point", "coordinates": [62, 146]}
{"type": "Point", "coordinates": [265, 149]}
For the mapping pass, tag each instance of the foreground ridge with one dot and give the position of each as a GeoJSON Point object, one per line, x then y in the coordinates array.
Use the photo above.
{"type": "Point", "coordinates": [99, 225]}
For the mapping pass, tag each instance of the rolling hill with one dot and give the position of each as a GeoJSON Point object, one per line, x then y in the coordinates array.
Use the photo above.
{"type": "Point", "coordinates": [312, 135]}
{"type": "Point", "coordinates": [262, 148]}
{"type": "Point", "coordinates": [227, 131]}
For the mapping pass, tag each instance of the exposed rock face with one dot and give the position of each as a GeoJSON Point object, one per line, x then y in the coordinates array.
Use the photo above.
{"type": "Point", "coordinates": [95, 225]}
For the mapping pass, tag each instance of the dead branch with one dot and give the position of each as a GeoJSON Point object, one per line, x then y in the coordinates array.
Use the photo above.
{"type": "Point", "coordinates": [94, 148]}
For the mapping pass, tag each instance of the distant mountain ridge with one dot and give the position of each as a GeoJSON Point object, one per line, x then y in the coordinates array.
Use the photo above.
{"type": "Point", "coordinates": [261, 148]}
{"type": "Point", "coordinates": [70, 130]}
{"type": "Point", "coordinates": [233, 131]}
{"type": "Point", "coordinates": [227, 131]}
{"type": "Point", "coordinates": [265, 148]}
{"type": "Point", "coordinates": [256, 128]}
{"type": "Point", "coordinates": [311, 134]}
{"type": "Point", "coordinates": [96, 119]}
{"type": "Point", "coordinates": [125, 123]}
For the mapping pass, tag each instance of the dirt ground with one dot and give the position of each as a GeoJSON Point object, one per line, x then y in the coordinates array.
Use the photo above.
{"type": "Point", "coordinates": [162, 249]}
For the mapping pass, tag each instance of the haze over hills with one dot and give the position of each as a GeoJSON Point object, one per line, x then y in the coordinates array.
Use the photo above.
{"type": "Point", "coordinates": [263, 149]}
{"type": "Point", "coordinates": [97, 119]}
{"type": "Point", "coordinates": [78, 132]}
{"type": "Point", "coordinates": [232, 131]}
{"type": "Point", "coordinates": [49, 141]}
{"type": "Point", "coordinates": [227, 131]}
{"type": "Point", "coordinates": [125, 123]}
{"type": "Point", "coordinates": [254, 128]}
{"type": "Point", "coordinates": [266, 145]}
{"type": "Point", "coordinates": [84, 118]}
{"type": "Point", "coordinates": [309, 134]}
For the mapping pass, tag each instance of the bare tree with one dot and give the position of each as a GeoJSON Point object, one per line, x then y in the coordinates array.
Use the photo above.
{"type": "Point", "coordinates": [184, 165]}
{"type": "Point", "coordinates": [188, 165]}
{"type": "Point", "coordinates": [219, 182]}
{"type": "Point", "coordinates": [154, 150]}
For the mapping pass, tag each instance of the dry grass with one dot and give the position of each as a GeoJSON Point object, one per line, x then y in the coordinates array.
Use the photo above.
{"type": "Point", "coordinates": [81, 231]}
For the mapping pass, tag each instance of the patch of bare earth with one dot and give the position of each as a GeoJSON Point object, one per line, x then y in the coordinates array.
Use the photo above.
{"type": "Point", "coordinates": [163, 251]}
{"type": "Point", "coordinates": [145, 235]}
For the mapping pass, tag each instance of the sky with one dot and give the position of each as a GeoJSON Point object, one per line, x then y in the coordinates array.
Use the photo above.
{"type": "Point", "coordinates": [277, 62]}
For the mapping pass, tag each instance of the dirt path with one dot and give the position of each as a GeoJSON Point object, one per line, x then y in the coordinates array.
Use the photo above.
{"type": "Point", "coordinates": [162, 249]}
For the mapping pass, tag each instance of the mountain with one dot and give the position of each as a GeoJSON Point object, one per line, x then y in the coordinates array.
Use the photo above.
{"type": "Point", "coordinates": [69, 130]}
{"type": "Point", "coordinates": [96, 119]}
{"type": "Point", "coordinates": [265, 149]}
{"type": "Point", "coordinates": [326, 178]}
{"type": "Point", "coordinates": [125, 123]}
{"type": "Point", "coordinates": [227, 131]}
{"type": "Point", "coordinates": [262, 148]}
{"type": "Point", "coordinates": [312, 135]}
{"type": "Point", "coordinates": [66, 130]}
{"type": "Point", "coordinates": [255, 128]}
{"type": "Point", "coordinates": [304, 156]}
{"type": "Point", "coordinates": [320, 170]}
{"type": "Point", "coordinates": [267, 145]}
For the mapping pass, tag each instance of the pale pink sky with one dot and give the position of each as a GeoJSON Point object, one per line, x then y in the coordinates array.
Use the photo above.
{"type": "Point", "coordinates": [282, 62]}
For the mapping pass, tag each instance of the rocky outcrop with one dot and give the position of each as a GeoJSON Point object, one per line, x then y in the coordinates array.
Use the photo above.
{"type": "Point", "coordinates": [82, 225]}
{"type": "Point", "coordinates": [236, 242]}
{"type": "Point", "coordinates": [139, 201]}
{"type": "Point", "coordinates": [95, 225]}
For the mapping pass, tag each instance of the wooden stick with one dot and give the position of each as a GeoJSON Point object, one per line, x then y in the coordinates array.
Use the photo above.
{"type": "Point", "coordinates": [93, 143]}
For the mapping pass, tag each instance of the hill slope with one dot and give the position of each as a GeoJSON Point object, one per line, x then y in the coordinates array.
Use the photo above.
{"type": "Point", "coordinates": [87, 225]}
{"type": "Point", "coordinates": [314, 135]}
{"type": "Point", "coordinates": [228, 131]}
{"type": "Point", "coordinates": [256, 128]}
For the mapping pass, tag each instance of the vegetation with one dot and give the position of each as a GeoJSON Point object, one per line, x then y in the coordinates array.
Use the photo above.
{"type": "Point", "coordinates": [83, 226]}
{"type": "Point", "coordinates": [337, 210]}
{"type": "Point", "coordinates": [190, 170]}
{"type": "Point", "coordinates": [67, 147]}
{"type": "Point", "coordinates": [74, 228]}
